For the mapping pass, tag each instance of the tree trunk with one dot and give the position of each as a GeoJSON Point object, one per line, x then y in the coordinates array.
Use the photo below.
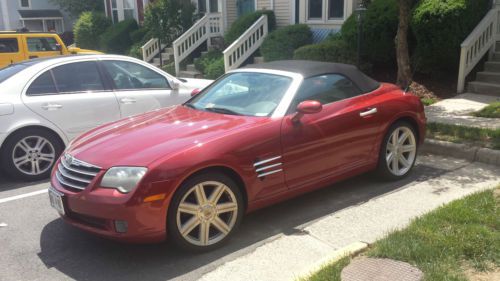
{"type": "Point", "coordinates": [402, 52]}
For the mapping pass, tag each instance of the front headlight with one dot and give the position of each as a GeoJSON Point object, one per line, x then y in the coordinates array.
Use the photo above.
{"type": "Point", "coordinates": [124, 179]}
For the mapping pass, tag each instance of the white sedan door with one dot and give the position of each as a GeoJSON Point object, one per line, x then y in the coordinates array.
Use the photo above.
{"type": "Point", "coordinates": [73, 96]}
{"type": "Point", "coordinates": [140, 89]}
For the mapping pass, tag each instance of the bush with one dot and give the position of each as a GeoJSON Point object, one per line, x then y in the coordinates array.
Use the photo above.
{"type": "Point", "coordinates": [88, 28]}
{"type": "Point", "coordinates": [203, 61]}
{"type": "Point", "coordinates": [331, 51]}
{"type": "Point", "coordinates": [139, 35]}
{"type": "Point", "coordinates": [281, 43]}
{"type": "Point", "coordinates": [380, 25]}
{"type": "Point", "coordinates": [440, 26]}
{"type": "Point", "coordinates": [135, 51]}
{"type": "Point", "coordinates": [170, 69]}
{"type": "Point", "coordinates": [215, 69]}
{"type": "Point", "coordinates": [117, 38]}
{"type": "Point", "coordinates": [244, 22]}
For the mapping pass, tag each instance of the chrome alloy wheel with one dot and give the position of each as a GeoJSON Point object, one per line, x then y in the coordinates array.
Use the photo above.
{"type": "Point", "coordinates": [400, 151]}
{"type": "Point", "coordinates": [33, 155]}
{"type": "Point", "coordinates": [207, 213]}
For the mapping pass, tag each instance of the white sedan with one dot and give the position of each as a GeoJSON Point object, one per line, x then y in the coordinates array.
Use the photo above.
{"type": "Point", "coordinates": [45, 103]}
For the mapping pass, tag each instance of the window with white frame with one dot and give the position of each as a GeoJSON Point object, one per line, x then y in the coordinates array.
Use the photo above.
{"type": "Point", "coordinates": [25, 4]}
{"type": "Point", "coordinates": [325, 9]}
{"type": "Point", "coordinates": [122, 10]}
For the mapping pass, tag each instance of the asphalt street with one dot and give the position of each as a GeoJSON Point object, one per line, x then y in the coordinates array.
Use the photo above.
{"type": "Point", "coordinates": [36, 245]}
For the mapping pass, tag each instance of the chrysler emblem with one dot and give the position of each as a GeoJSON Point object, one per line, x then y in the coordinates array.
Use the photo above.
{"type": "Point", "coordinates": [69, 159]}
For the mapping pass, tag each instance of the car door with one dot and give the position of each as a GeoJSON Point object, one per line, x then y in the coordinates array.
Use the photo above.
{"type": "Point", "coordinates": [10, 50]}
{"type": "Point", "coordinates": [73, 96]}
{"type": "Point", "coordinates": [139, 88]}
{"type": "Point", "coordinates": [334, 141]}
{"type": "Point", "coordinates": [39, 46]}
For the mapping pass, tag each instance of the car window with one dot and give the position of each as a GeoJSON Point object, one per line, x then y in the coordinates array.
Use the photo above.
{"type": "Point", "coordinates": [131, 76]}
{"type": "Point", "coordinates": [43, 84]}
{"type": "Point", "coordinates": [9, 45]}
{"type": "Point", "coordinates": [326, 89]}
{"type": "Point", "coordinates": [41, 44]}
{"type": "Point", "coordinates": [78, 77]}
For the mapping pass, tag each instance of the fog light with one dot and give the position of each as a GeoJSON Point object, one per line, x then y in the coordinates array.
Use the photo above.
{"type": "Point", "coordinates": [121, 226]}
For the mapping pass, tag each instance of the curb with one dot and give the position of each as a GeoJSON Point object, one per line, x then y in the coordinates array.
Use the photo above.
{"type": "Point", "coordinates": [349, 250]}
{"type": "Point", "coordinates": [463, 151]}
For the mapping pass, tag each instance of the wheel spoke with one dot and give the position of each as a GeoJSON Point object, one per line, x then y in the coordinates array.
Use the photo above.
{"type": "Point", "coordinates": [46, 157]}
{"type": "Point", "coordinates": [395, 164]}
{"type": "Point", "coordinates": [204, 232]}
{"type": "Point", "coordinates": [226, 207]}
{"type": "Point", "coordinates": [389, 157]}
{"type": "Point", "coordinates": [24, 146]}
{"type": "Point", "coordinates": [221, 225]}
{"type": "Point", "coordinates": [407, 148]}
{"type": "Point", "coordinates": [40, 143]}
{"type": "Point", "coordinates": [404, 162]}
{"type": "Point", "coordinates": [201, 197]}
{"type": "Point", "coordinates": [21, 160]}
{"type": "Point", "coordinates": [35, 167]}
{"type": "Point", "coordinates": [189, 225]}
{"type": "Point", "coordinates": [394, 138]}
{"type": "Point", "coordinates": [402, 138]}
{"type": "Point", "coordinates": [188, 208]}
{"type": "Point", "coordinates": [216, 194]}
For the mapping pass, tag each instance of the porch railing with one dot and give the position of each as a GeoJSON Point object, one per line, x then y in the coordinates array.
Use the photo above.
{"type": "Point", "coordinates": [208, 26]}
{"type": "Point", "coordinates": [482, 39]}
{"type": "Point", "coordinates": [150, 49]}
{"type": "Point", "coordinates": [246, 44]}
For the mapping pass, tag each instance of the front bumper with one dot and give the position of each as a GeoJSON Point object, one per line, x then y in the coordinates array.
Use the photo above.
{"type": "Point", "coordinates": [97, 210]}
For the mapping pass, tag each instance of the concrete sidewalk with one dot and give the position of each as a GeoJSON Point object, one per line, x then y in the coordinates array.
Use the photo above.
{"type": "Point", "coordinates": [458, 110]}
{"type": "Point", "coordinates": [291, 255]}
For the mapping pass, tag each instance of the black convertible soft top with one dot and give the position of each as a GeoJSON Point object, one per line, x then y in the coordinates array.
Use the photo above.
{"type": "Point", "coordinates": [314, 68]}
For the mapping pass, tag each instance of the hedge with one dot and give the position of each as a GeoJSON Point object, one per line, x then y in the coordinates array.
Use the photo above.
{"type": "Point", "coordinates": [206, 59]}
{"type": "Point", "coordinates": [336, 50]}
{"type": "Point", "coordinates": [117, 38]}
{"type": "Point", "coordinates": [280, 44]}
{"type": "Point", "coordinates": [440, 26]}
{"type": "Point", "coordinates": [380, 25]}
{"type": "Point", "coordinates": [215, 69]}
{"type": "Point", "coordinates": [244, 22]}
{"type": "Point", "coordinates": [88, 28]}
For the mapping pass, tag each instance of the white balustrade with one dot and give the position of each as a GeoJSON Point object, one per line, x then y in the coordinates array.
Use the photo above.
{"type": "Point", "coordinates": [246, 44]}
{"type": "Point", "coordinates": [150, 49]}
{"type": "Point", "coordinates": [481, 40]}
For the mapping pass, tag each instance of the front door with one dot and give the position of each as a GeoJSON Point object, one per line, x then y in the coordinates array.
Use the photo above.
{"type": "Point", "coordinates": [42, 46]}
{"type": "Point", "coordinates": [73, 97]}
{"type": "Point", "coordinates": [333, 141]}
{"type": "Point", "coordinates": [245, 6]}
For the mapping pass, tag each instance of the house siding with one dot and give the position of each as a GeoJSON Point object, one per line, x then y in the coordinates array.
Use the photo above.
{"type": "Point", "coordinates": [231, 12]}
{"type": "Point", "coordinates": [282, 10]}
{"type": "Point", "coordinates": [12, 7]}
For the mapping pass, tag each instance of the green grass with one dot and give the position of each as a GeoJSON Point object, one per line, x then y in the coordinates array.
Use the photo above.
{"type": "Point", "coordinates": [463, 234]}
{"type": "Point", "coordinates": [428, 101]}
{"type": "Point", "coordinates": [461, 134]}
{"type": "Point", "coordinates": [491, 111]}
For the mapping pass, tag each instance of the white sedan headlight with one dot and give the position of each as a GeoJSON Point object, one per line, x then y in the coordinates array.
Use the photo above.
{"type": "Point", "coordinates": [124, 179]}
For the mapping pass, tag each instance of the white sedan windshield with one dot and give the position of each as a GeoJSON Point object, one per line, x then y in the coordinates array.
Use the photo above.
{"type": "Point", "coordinates": [243, 93]}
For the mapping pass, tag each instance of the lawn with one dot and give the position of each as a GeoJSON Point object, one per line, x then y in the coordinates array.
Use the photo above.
{"type": "Point", "coordinates": [491, 111]}
{"type": "Point", "coordinates": [461, 134]}
{"type": "Point", "coordinates": [451, 243]}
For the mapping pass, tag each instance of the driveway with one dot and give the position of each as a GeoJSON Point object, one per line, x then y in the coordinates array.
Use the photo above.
{"type": "Point", "coordinates": [36, 244]}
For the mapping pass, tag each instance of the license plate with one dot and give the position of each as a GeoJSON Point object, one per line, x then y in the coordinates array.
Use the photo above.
{"type": "Point", "coordinates": [56, 201]}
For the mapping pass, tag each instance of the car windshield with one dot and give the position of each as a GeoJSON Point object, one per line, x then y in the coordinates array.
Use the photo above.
{"type": "Point", "coordinates": [10, 70]}
{"type": "Point", "coordinates": [243, 93]}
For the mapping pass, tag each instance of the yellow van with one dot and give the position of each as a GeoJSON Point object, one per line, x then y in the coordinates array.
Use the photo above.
{"type": "Point", "coordinates": [19, 46]}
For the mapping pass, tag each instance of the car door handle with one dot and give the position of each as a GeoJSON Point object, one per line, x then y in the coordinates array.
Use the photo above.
{"type": "Point", "coordinates": [368, 112]}
{"type": "Point", "coordinates": [128, 100]}
{"type": "Point", "coordinates": [52, 106]}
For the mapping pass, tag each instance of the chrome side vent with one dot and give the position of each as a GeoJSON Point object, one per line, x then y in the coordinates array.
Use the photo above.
{"type": "Point", "coordinates": [268, 167]}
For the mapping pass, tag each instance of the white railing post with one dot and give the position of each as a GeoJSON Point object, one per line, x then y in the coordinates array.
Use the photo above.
{"type": "Point", "coordinates": [246, 44]}
{"type": "Point", "coordinates": [208, 26]}
{"type": "Point", "coordinates": [150, 49]}
{"type": "Point", "coordinates": [481, 40]}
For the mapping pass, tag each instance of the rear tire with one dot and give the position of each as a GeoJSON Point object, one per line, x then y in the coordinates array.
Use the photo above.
{"type": "Point", "coordinates": [205, 212]}
{"type": "Point", "coordinates": [30, 154]}
{"type": "Point", "coordinates": [398, 152]}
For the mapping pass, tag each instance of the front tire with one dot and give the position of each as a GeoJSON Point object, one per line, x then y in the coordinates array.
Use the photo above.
{"type": "Point", "coordinates": [398, 152]}
{"type": "Point", "coordinates": [30, 154]}
{"type": "Point", "coordinates": [204, 212]}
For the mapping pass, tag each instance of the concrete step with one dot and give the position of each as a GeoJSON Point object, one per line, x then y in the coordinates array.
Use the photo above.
{"type": "Point", "coordinates": [191, 67]}
{"type": "Point", "coordinates": [257, 60]}
{"type": "Point", "coordinates": [165, 61]}
{"type": "Point", "coordinates": [492, 66]}
{"type": "Point", "coordinates": [488, 77]}
{"type": "Point", "coordinates": [484, 88]}
{"type": "Point", "coordinates": [167, 56]}
{"type": "Point", "coordinates": [496, 56]}
{"type": "Point", "coordinates": [190, 74]}
{"type": "Point", "coordinates": [168, 50]}
{"type": "Point", "coordinates": [498, 46]}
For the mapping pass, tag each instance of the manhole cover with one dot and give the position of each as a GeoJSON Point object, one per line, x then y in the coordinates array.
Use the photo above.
{"type": "Point", "coordinates": [369, 269]}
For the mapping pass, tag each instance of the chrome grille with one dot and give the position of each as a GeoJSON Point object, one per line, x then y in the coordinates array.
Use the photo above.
{"type": "Point", "coordinates": [75, 174]}
{"type": "Point", "coordinates": [268, 167]}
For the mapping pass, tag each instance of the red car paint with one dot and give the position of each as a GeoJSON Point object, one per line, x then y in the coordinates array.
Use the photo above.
{"type": "Point", "coordinates": [175, 142]}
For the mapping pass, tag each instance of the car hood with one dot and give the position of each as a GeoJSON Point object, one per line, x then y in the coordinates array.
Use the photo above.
{"type": "Point", "coordinates": [139, 140]}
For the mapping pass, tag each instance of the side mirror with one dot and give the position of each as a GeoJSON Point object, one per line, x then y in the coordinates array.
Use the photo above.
{"type": "Point", "coordinates": [175, 85]}
{"type": "Point", "coordinates": [59, 48]}
{"type": "Point", "coordinates": [306, 107]}
{"type": "Point", "coordinates": [195, 92]}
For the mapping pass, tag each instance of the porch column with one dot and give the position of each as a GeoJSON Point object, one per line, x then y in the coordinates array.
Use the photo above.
{"type": "Point", "coordinates": [44, 26]}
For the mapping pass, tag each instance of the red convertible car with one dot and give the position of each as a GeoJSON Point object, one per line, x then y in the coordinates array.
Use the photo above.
{"type": "Point", "coordinates": [256, 136]}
